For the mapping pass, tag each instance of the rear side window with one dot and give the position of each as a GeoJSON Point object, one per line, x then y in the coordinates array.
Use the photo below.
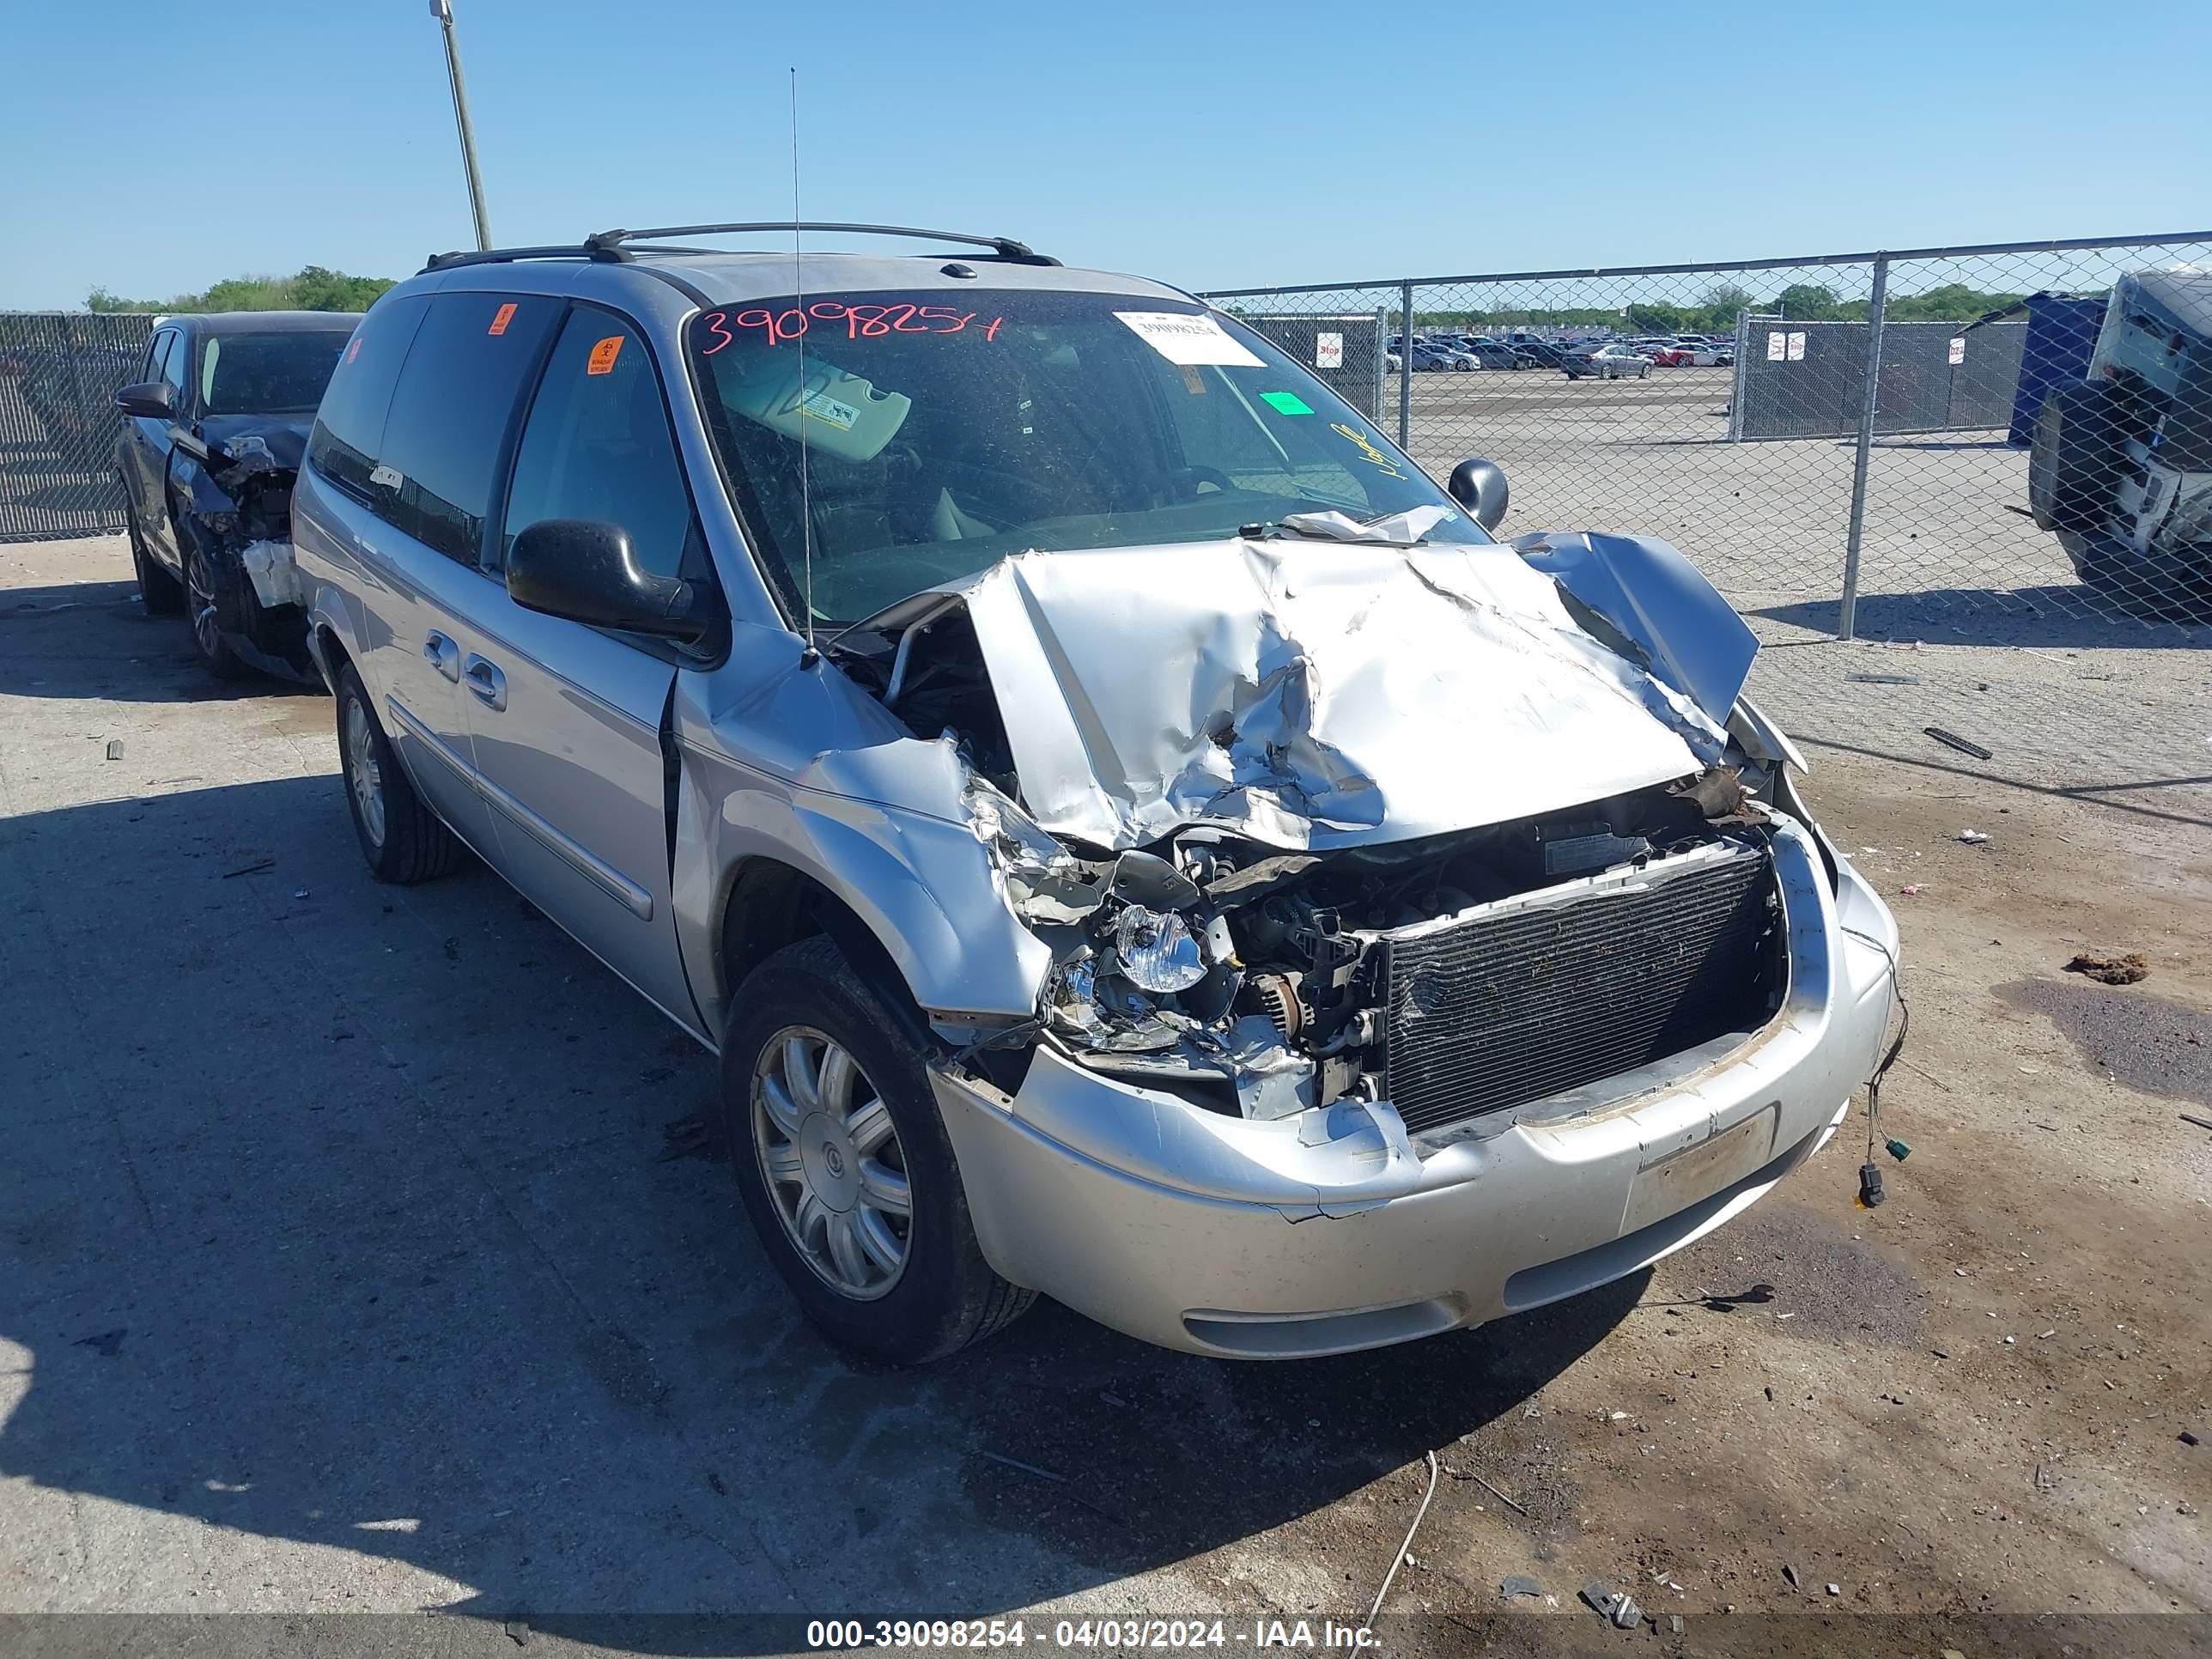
{"type": "Point", "coordinates": [598, 445]}
{"type": "Point", "coordinates": [350, 425]}
{"type": "Point", "coordinates": [470, 361]}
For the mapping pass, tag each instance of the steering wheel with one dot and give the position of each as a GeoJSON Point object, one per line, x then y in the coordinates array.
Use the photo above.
{"type": "Point", "coordinates": [1187, 479]}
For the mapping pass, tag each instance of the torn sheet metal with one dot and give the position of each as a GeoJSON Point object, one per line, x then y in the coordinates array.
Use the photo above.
{"type": "Point", "coordinates": [1309, 693]}
{"type": "Point", "coordinates": [1690, 636]}
{"type": "Point", "coordinates": [269, 565]}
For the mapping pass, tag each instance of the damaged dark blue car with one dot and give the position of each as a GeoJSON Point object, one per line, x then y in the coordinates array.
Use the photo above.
{"type": "Point", "coordinates": [211, 442]}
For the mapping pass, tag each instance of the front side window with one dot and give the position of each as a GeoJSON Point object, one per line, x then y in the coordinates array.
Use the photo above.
{"type": "Point", "coordinates": [174, 366]}
{"type": "Point", "coordinates": [157, 352]}
{"type": "Point", "coordinates": [906, 439]}
{"type": "Point", "coordinates": [268, 373]}
{"type": "Point", "coordinates": [597, 446]}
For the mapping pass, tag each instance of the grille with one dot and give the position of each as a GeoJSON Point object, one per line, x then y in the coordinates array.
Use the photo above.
{"type": "Point", "coordinates": [1513, 1006]}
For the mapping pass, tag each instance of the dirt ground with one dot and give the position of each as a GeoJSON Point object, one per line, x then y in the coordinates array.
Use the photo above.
{"type": "Point", "coordinates": [359, 1249]}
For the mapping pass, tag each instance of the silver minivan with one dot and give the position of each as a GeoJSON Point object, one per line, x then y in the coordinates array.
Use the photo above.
{"type": "Point", "coordinates": [1128, 834]}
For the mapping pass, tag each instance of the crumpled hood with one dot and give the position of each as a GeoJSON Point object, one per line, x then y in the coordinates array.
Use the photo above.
{"type": "Point", "coordinates": [284, 435]}
{"type": "Point", "coordinates": [1313, 694]}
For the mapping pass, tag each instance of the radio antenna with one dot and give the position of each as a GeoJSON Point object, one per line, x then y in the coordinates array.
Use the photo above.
{"type": "Point", "coordinates": [799, 290]}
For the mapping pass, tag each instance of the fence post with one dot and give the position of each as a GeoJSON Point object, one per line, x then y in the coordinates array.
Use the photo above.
{"type": "Point", "coordinates": [1847, 618]}
{"type": "Point", "coordinates": [1382, 362]}
{"type": "Point", "coordinates": [1741, 376]}
{"type": "Point", "coordinates": [1406, 367]}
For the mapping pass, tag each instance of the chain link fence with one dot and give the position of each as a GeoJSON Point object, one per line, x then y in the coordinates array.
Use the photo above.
{"type": "Point", "coordinates": [59, 373]}
{"type": "Point", "coordinates": [2002, 451]}
{"type": "Point", "coordinates": [1844, 440]}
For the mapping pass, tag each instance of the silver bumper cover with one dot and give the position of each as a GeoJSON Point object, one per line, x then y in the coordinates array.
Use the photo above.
{"type": "Point", "coordinates": [1332, 1230]}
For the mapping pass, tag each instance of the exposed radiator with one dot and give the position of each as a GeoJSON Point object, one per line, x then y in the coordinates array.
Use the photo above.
{"type": "Point", "coordinates": [1528, 1000]}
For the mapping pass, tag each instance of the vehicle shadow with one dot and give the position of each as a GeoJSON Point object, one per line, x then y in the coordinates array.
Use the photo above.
{"type": "Point", "coordinates": [128, 657]}
{"type": "Point", "coordinates": [386, 1220]}
{"type": "Point", "coordinates": [2060, 616]}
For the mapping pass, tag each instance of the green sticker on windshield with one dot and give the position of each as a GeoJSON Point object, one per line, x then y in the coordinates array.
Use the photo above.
{"type": "Point", "coordinates": [1286, 403]}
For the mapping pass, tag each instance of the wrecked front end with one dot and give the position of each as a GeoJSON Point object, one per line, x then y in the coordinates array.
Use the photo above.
{"type": "Point", "coordinates": [1427, 934]}
{"type": "Point", "coordinates": [234, 483]}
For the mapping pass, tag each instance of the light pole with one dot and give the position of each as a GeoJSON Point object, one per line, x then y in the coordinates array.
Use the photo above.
{"type": "Point", "coordinates": [443, 11]}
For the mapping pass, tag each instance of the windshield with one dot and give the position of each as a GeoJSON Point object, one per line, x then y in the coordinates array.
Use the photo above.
{"type": "Point", "coordinates": [944, 430]}
{"type": "Point", "coordinates": [269, 374]}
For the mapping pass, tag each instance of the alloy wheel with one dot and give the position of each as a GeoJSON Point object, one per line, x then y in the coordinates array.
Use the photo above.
{"type": "Point", "coordinates": [832, 1163]}
{"type": "Point", "coordinates": [199, 600]}
{"type": "Point", "coordinates": [363, 775]}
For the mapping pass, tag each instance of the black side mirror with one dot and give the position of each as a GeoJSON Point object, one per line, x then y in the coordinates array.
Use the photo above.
{"type": "Point", "coordinates": [153, 400]}
{"type": "Point", "coordinates": [587, 571]}
{"type": "Point", "coordinates": [1480, 487]}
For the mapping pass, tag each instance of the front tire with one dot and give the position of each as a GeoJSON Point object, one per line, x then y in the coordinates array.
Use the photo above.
{"type": "Point", "coordinates": [204, 613]}
{"type": "Point", "coordinates": [844, 1165]}
{"type": "Point", "coordinates": [403, 840]}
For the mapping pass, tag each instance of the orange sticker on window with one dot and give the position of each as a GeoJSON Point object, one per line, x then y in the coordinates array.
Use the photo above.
{"type": "Point", "coordinates": [602, 360]}
{"type": "Point", "coordinates": [501, 318]}
{"type": "Point", "coordinates": [353, 348]}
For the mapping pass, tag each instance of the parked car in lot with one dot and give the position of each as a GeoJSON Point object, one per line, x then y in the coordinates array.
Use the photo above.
{"type": "Point", "coordinates": [1435, 353]}
{"type": "Point", "coordinates": [1690, 354]}
{"type": "Point", "coordinates": [1544, 354]}
{"type": "Point", "coordinates": [1607, 362]}
{"type": "Point", "coordinates": [1494, 354]}
{"type": "Point", "coordinates": [768, 622]}
{"type": "Point", "coordinates": [210, 440]}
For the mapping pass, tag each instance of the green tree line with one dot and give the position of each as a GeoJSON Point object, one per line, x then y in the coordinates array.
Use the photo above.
{"type": "Point", "coordinates": [311, 289]}
{"type": "Point", "coordinates": [1715, 312]}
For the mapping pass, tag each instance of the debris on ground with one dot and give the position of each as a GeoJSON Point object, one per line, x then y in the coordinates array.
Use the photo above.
{"type": "Point", "coordinates": [1518, 1583]}
{"type": "Point", "coordinates": [1405, 1550]}
{"type": "Point", "coordinates": [1790, 1573]}
{"type": "Point", "coordinates": [115, 749]}
{"type": "Point", "coordinates": [1835, 1590]}
{"type": "Point", "coordinates": [251, 869]}
{"type": "Point", "coordinates": [2188, 1438]}
{"type": "Point", "coordinates": [1913, 889]}
{"type": "Point", "coordinates": [1971, 837]}
{"type": "Point", "coordinates": [1469, 1474]}
{"type": "Point", "coordinates": [1618, 1606]}
{"type": "Point", "coordinates": [2110, 969]}
{"type": "Point", "coordinates": [1952, 740]}
{"type": "Point", "coordinates": [2201, 1122]}
{"type": "Point", "coordinates": [1884, 679]}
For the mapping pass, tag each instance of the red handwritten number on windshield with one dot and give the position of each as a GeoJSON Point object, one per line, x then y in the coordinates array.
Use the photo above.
{"type": "Point", "coordinates": [865, 321]}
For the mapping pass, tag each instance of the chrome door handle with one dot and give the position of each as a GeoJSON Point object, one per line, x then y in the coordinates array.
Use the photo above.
{"type": "Point", "coordinates": [484, 678]}
{"type": "Point", "coordinates": [442, 654]}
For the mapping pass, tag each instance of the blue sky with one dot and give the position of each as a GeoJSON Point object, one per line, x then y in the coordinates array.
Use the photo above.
{"type": "Point", "coordinates": [1209, 145]}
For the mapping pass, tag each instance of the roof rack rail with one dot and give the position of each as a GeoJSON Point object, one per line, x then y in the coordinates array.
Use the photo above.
{"type": "Point", "coordinates": [609, 244]}
{"type": "Point", "coordinates": [500, 256]}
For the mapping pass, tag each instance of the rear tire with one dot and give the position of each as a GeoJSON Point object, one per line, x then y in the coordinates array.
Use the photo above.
{"type": "Point", "coordinates": [159, 593]}
{"type": "Point", "coordinates": [908, 1284]}
{"type": "Point", "coordinates": [403, 840]}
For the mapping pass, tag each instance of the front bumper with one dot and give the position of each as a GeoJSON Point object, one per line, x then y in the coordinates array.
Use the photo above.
{"type": "Point", "coordinates": [1331, 1231]}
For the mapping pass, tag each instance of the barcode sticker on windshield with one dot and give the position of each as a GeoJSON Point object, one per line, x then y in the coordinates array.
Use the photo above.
{"type": "Point", "coordinates": [821, 406]}
{"type": "Point", "coordinates": [1191, 341]}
